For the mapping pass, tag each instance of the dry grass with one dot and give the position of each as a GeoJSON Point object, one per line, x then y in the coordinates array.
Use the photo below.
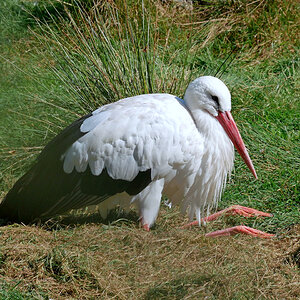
{"type": "Point", "coordinates": [122, 261]}
{"type": "Point", "coordinates": [261, 29]}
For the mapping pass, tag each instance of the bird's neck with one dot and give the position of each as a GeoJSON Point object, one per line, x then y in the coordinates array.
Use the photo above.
{"type": "Point", "coordinates": [216, 140]}
{"type": "Point", "coordinates": [207, 125]}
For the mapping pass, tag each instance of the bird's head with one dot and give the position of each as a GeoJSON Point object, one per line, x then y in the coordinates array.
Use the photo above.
{"type": "Point", "coordinates": [210, 95]}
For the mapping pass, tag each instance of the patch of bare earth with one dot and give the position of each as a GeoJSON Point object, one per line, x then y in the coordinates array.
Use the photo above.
{"type": "Point", "coordinates": [123, 261]}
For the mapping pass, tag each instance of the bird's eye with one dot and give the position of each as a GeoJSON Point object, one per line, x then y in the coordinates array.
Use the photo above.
{"type": "Point", "coordinates": [216, 99]}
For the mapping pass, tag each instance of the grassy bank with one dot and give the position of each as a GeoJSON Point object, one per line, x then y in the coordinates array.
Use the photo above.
{"type": "Point", "coordinates": [72, 62]}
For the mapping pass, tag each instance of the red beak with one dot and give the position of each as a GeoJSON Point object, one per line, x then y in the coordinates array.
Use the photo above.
{"type": "Point", "coordinates": [227, 122]}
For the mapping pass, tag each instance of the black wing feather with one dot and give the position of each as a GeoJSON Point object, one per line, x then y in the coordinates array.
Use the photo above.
{"type": "Point", "coordinates": [46, 190]}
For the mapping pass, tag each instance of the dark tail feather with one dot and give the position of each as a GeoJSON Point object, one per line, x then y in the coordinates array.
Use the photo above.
{"type": "Point", "coordinates": [24, 202]}
{"type": "Point", "coordinates": [39, 194]}
{"type": "Point", "coordinates": [46, 191]}
{"type": "Point", "coordinates": [34, 194]}
{"type": "Point", "coordinates": [10, 207]}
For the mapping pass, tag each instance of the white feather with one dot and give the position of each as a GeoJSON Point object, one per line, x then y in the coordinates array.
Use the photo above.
{"type": "Point", "coordinates": [179, 140]}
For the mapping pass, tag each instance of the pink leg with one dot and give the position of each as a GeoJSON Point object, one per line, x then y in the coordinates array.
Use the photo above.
{"type": "Point", "coordinates": [233, 210]}
{"type": "Point", "coordinates": [145, 226]}
{"type": "Point", "coordinates": [240, 229]}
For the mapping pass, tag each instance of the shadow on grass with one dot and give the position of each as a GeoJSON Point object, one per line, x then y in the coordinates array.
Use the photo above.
{"type": "Point", "coordinates": [294, 258]}
{"type": "Point", "coordinates": [114, 218]}
{"type": "Point", "coordinates": [179, 288]}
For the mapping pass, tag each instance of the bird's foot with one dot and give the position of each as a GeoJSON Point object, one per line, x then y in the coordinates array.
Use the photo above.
{"type": "Point", "coordinates": [244, 211]}
{"type": "Point", "coordinates": [235, 210]}
{"type": "Point", "coordinates": [145, 226]}
{"type": "Point", "coordinates": [240, 229]}
{"type": "Point", "coordinates": [232, 210]}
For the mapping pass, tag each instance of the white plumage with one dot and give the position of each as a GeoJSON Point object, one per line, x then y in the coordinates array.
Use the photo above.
{"type": "Point", "coordinates": [181, 143]}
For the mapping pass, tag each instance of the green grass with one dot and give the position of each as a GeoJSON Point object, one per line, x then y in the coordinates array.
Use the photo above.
{"type": "Point", "coordinates": [71, 62]}
{"type": "Point", "coordinates": [11, 292]}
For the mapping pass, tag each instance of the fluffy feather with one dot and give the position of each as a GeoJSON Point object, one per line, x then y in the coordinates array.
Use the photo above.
{"type": "Point", "coordinates": [144, 146]}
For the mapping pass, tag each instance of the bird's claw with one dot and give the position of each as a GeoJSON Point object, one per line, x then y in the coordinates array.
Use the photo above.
{"type": "Point", "coordinates": [190, 224]}
{"type": "Point", "coordinates": [240, 229]}
{"type": "Point", "coordinates": [244, 211]}
{"type": "Point", "coordinates": [146, 227]}
{"type": "Point", "coordinates": [235, 210]}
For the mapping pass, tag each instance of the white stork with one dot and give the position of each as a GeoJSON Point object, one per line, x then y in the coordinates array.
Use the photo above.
{"type": "Point", "coordinates": [133, 151]}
